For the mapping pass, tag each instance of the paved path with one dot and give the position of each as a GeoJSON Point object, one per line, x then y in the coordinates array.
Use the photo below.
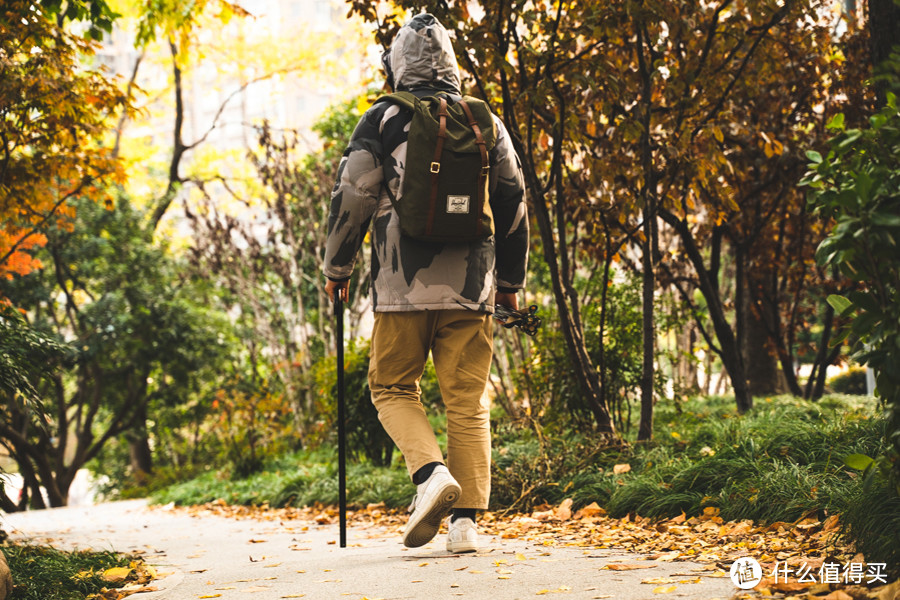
{"type": "Point", "coordinates": [208, 556]}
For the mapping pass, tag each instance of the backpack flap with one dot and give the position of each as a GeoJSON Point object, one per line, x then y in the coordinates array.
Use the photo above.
{"type": "Point", "coordinates": [445, 184]}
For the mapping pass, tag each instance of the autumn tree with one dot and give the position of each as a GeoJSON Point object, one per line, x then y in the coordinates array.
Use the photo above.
{"type": "Point", "coordinates": [644, 121]}
{"type": "Point", "coordinates": [270, 265]}
{"type": "Point", "coordinates": [53, 113]}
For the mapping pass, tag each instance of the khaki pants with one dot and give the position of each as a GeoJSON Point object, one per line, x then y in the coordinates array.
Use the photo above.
{"type": "Point", "coordinates": [461, 345]}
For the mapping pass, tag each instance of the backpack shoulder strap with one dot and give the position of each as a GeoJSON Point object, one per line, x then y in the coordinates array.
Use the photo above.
{"type": "Point", "coordinates": [404, 99]}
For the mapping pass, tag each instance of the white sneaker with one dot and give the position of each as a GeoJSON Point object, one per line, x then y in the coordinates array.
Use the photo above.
{"type": "Point", "coordinates": [462, 536]}
{"type": "Point", "coordinates": [434, 498]}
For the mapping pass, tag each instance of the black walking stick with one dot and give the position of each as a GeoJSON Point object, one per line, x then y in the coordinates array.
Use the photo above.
{"type": "Point", "coordinates": [342, 441]}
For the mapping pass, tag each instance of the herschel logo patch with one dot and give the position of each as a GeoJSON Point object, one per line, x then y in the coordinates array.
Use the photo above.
{"type": "Point", "coordinates": [458, 205]}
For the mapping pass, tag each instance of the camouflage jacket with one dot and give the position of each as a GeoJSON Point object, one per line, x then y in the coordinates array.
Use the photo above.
{"type": "Point", "coordinates": [408, 275]}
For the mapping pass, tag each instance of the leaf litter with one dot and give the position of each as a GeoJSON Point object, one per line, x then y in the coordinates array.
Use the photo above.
{"type": "Point", "coordinates": [706, 539]}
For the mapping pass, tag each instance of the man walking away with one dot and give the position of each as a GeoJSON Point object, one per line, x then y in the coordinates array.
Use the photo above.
{"type": "Point", "coordinates": [429, 296]}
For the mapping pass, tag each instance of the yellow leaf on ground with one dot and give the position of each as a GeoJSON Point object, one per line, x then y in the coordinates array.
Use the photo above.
{"type": "Point", "coordinates": [117, 574]}
{"type": "Point", "coordinates": [211, 596]}
{"type": "Point", "coordinates": [665, 589]}
{"type": "Point", "coordinates": [624, 567]}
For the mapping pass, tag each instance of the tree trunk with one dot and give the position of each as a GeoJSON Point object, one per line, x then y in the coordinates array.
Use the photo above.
{"type": "Point", "coordinates": [141, 457]}
{"type": "Point", "coordinates": [764, 377]}
{"type": "Point", "coordinates": [585, 372]}
{"type": "Point", "coordinates": [728, 349]}
{"type": "Point", "coordinates": [649, 247]}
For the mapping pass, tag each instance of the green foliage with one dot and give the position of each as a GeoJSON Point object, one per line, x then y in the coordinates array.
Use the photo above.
{"type": "Point", "coordinates": [299, 479]}
{"type": "Point", "coordinates": [23, 353]}
{"type": "Point", "coordinates": [365, 435]}
{"type": "Point", "coordinates": [44, 573]}
{"type": "Point", "coordinates": [853, 381]}
{"type": "Point", "coordinates": [704, 455]}
{"type": "Point", "coordinates": [872, 519]}
{"type": "Point", "coordinates": [855, 183]}
{"type": "Point", "coordinates": [617, 357]}
{"type": "Point", "coordinates": [143, 338]}
{"type": "Point", "coordinates": [778, 462]}
{"type": "Point", "coordinates": [366, 438]}
{"type": "Point", "coordinates": [96, 13]}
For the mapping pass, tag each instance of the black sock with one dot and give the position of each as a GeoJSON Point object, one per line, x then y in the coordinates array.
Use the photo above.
{"type": "Point", "coordinates": [461, 513]}
{"type": "Point", "coordinates": [425, 472]}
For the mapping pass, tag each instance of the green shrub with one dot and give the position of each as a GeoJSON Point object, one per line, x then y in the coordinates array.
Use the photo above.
{"type": "Point", "coordinates": [872, 521]}
{"type": "Point", "coordinates": [852, 381]}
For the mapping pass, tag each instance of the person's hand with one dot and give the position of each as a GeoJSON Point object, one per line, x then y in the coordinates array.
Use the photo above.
{"type": "Point", "coordinates": [341, 286]}
{"type": "Point", "coordinates": [507, 299]}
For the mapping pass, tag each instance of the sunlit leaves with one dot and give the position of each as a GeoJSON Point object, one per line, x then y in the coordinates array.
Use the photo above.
{"type": "Point", "coordinates": [53, 115]}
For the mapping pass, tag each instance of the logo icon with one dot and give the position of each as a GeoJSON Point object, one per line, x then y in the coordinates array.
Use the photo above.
{"type": "Point", "coordinates": [746, 573]}
{"type": "Point", "coordinates": [458, 205]}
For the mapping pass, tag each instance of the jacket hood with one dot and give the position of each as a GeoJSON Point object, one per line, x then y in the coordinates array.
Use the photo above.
{"type": "Point", "coordinates": [421, 56]}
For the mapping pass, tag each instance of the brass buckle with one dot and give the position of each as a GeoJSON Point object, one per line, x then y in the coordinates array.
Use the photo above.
{"type": "Point", "coordinates": [435, 167]}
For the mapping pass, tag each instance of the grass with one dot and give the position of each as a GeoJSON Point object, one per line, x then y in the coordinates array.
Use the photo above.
{"type": "Point", "coordinates": [299, 479]}
{"type": "Point", "coordinates": [781, 460]}
{"type": "Point", "coordinates": [43, 573]}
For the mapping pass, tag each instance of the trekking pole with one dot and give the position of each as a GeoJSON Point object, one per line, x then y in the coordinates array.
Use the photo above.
{"type": "Point", "coordinates": [342, 441]}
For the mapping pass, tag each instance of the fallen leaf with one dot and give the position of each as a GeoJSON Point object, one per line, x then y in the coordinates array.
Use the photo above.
{"type": "Point", "coordinates": [623, 468]}
{"type": "Point", "coordinates": [665, 589]}
{"type": "Point", "coordinates": [626, 567]}
{"type": "Point", "coordinates": [211, 596]}
{"type": "Point", "coordinates": [591, 510]}
{"type": "Point", "coordinates": [886, 592]}
{"type": "Point", "coordinates": [117, 574]}
{"type": "Point", "coordinates": [564, 510]}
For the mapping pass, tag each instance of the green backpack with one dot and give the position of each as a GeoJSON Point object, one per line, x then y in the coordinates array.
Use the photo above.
{"type": "Point", "coordinates": [445, 185]}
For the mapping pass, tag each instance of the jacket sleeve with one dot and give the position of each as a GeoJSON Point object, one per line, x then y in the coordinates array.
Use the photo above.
{"type": "Point", "coordinates": [354, 197]}
{"type": "Point", "coordinates": [507, 198]}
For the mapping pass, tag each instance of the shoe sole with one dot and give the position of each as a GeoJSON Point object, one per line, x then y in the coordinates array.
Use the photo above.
{"type": "Point", "coordinates": [462, 547]}
{"type": "Point", "coordinates": [424, 529]}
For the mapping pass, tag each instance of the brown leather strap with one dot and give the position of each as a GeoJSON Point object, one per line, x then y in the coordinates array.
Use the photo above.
{"type": "Point", "coordinates": [436, 164]}
{"type": "Point", "coordinates": [485, 164]}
